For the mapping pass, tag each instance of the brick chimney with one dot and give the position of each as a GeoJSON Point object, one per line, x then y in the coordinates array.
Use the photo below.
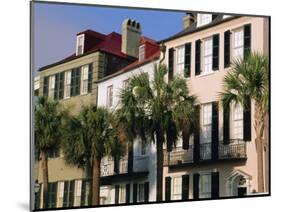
{"type": "Point", "coordinates": [188, 20]}
{"type": "Point", "coordinates": [131, 32]}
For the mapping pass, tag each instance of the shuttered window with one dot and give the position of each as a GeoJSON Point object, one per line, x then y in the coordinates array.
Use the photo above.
{"type": "Point", "coordinates": [180, 60]}
{"type": "Point", "coordinates": [59, 86]}
{"type": "Point", "coordinates": [67, 84]}
{"type": "Point", "coordinates": [205, 182]}
{"type": "Point", "coordinates": [238, 43]}
{"type": "Point", "coordinates": [208, 56]}
{"type": "Point", "coordinates": [68, 195]}
{"type": "Point", "coordinates": [84, 79]}
{"type": "Point", "coordinates": [176, 188]}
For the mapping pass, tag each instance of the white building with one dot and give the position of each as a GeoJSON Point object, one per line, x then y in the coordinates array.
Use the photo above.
{"type": "Point", "coordinates": [137, 184]}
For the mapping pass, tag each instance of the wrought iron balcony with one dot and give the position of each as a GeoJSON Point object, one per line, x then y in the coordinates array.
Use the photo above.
{"type": "Point", "coordinates": [236, 149]}
{"type": "Point", "coordinates": [107, 166]}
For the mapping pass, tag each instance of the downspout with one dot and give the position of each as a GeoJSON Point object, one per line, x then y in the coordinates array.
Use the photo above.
{"type": "Point", "coordinates": [163, 50]}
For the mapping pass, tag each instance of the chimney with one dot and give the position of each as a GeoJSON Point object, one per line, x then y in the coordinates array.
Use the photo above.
{"type": "Point", "coordinates": [131, 32]}
{"type": "Point", "coordinates": [188, 20]}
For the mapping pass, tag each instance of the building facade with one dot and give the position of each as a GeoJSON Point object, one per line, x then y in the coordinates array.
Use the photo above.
{"type": "Point", "coordinates": [221, 158]}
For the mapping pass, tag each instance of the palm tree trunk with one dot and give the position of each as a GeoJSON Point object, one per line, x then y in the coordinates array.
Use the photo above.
{"type": "Point", "coordinates": [159, 173]}
{"type": "Point", "coordinates": [259, 129]}
{"type": "Point", "coordinates": [96, 181]}
{"type": "Point", "coordinates": [44, 163]}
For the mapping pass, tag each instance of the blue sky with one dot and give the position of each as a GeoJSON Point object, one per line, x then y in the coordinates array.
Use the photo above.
{"type": "Point", "coordinates": [56, 25]}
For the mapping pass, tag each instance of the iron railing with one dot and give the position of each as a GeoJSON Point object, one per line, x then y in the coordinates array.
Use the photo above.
{"type": "Point", "coordinates": [236, 149]}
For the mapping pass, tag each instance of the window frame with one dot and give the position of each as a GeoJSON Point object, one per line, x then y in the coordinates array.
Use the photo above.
{"type": "Point", "coordinates": [84, 79]}
{"type": "Point", "coordinates": [141, 52]}
{"type": "Point", "coordinates": [67, 82]}
{"type": "Point", "coordinates": [52, 83]}
{"type": "Point", "coordinates": [206, 126]}
{"type": "Point", "coordinates": [176, 188]}
{"type": "Point", "coordinates": [206, 56]}
{"type": "Point", "coordinates": [140, 192]}
{"type": "Point", "coordinates": [78, 45]}
{"type": "Point", "coordinates": [122, 193]}
{"type": "Point", "coordinates": [233, 42]}
{"type": "Point", "coordinates": [109, 96]}
{"type": "Point", "coordinates": [205, 194]}
{"type": "Point", "coordinates": [237, 122]}
{"type": "Point", "coordinates": [203, 19]}
{"type": "Point", "coordinates": [180, 56]}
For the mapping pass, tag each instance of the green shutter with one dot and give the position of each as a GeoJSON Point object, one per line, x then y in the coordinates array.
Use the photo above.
{"type": "Point", "coordinates": [65, 194]}
{"type": "Point", "coordinates": [71, 193]}
{"type": "Point", "coordinates": [56, 91]}
{"type": "Point", "coordinates": [78, 80]}
{"type": "Point", "coordinates": [72, 82]}
{"type": "Point", "coordinates": [46, 86]}
{"type": "Point", "coordinates": [90, 78]}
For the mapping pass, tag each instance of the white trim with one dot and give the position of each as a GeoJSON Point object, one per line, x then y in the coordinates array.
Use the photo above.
{"type": "Point", "coordinates": [82, 37]}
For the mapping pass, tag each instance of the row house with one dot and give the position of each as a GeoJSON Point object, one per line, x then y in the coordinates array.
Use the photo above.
{"type": "Point", "coordinates": [139, 183]}
{"type": "Point", "coordinates": [220, 160]}
{"type": "Point", "coordinates": [72, 82]}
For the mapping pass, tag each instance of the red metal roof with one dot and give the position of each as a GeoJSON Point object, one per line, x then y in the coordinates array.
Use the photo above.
{"type": "Point", "coordinates": [111, 43]}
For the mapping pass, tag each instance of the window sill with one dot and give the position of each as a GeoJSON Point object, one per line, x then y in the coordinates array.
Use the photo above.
{"type": "Point", "coordinates": [206, 74]}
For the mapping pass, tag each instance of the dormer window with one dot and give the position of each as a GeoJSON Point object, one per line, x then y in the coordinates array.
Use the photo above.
{"type": "Point", "coordinates": [80, 44]}
{"type": "Point", "coordinates": [203, 19]}
{"type": "Point", "coordinates": [141, 52]}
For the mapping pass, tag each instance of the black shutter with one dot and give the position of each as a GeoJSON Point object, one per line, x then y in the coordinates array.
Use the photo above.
{"type": "Point", "coordinates": [216, 51]}
{"type": "Point", "coordinates": [116, 194]}
{"type": "Point", "coordinates": [196, 141]}
{"type": "Point", "coordinates": [83, 193]}
{"type": "Point", "coordinates": [135, 192]}
{"type": "Point", "coordinates": [214, 17]}
{"type": "Point", "coordinates": [55, 189]}
{"type": "Point", "coordinates": [65, 194]}
{"type": "Point", "coordinates": [130, 159]}
{"type": "Point", "coordinates": [185, 138]}
{"type": "Point", "coordinates": [128, 193]}
{"type": "Point", "coordinates": [90, 78]}
{"type": "Point", "coordinates": [196, 186]}
{"type": "Point", "coordinates": [78, 80]}
{"type": "Point", "coordinates": [171, 64]}
{"type": "Point", "coordinates": [215, 130]}
{"type": "Point", "coordinates": [247, 40]}
{"type": "Point", "coordinates": [197, 57]}
{"type": "Point", "coordinates": [56, 91]}
{"type": "Point", "coordinates": [227, 49]}
{"type": "Point", "coordinates": [187, 60]}
{"type": "Point", "coordinates": [72, 84]}
{"type": "Point", "coordinates": [215, 188]}
{"type": "Point", "coordinates": [116, 165]}
{"type": "Point", "coordinates": [71, 193]}
{"type": "Point", "coordinates": [168, 188]}
{"type": "Point", "coordinates": [46, 86]}
{"type": "Point", "coordinates": [146, 191]}
{"type": "Point", "coordinates": [247, 120]}
{"type": "Point", "coordinates": [185, 187]}
{"type": "Point", "coordinates": [61, 85]}
{"type": "Point", "coordinates": [226, 125]}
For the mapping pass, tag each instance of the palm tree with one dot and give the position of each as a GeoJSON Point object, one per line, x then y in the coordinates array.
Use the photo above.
{"type": "Point", "coordinates": [47, 136]}
{"type": "Point", "coordinates": [249, 79]}
{"type": "Point", "coordinates": [88, 138]}
{"type": "Point", "coordinates": [157, 111]}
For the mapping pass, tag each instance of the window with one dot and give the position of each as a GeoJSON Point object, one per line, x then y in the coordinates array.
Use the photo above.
{"type": "Point", "coordinates": [109, 101]}
{"type": "Point", "coordinates": [208, 55]}
{"type": "Point", "coordinates": [238, 43]}
{"type": "Point", "coordinates": [52, 86]}
{"type": "Point", "coordinates": [207, 123]}
{"type": "Point", "coordinates": [204, 19]}
{"type": "Point", "coordinates": [180, 60]}
{"type": "Point", "coordinates": [237, 117]}
{"type": "Point", "coordinates": [80, 44]}
{"type": "Point", "coordinates": [67, 84]}
{"type": "Point", "coordinates": [176, 188]}
{"type": "Point", "coordinates": [60, 194]}
{"type": "Point", "coordinates": [125, 83]}
{"type": "Point", "coordinates": [75, 82]}
{"type": "Point", "coordinates": [84, 79]}
{"type": "Point", "coordinates": [143, 148]}
{"type": "Point", "coordinates": [141, 192]}
{"type": "Point", "coordinates": [77, 193]}
{"type": "Point", "coordinates": [205, 186]}
{"type": "Point", "coordinates": [122, 194]}
{"type": "Point", "coordinates": [141, 52]}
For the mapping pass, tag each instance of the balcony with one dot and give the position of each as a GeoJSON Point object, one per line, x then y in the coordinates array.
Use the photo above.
{"type": "Point", "coordinates": [141, 163]}
{"type": "Point", "coordinates": [107, 166]}
{"type": "Point", "coordinates": [235, 150]}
